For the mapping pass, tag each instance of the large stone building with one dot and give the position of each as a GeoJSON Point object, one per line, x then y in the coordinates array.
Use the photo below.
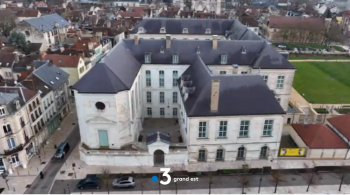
{"type": "Point", "coordinates": [171, 101]}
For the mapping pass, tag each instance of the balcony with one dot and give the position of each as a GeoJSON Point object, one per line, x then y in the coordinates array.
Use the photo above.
{"type": "Point", "coordinates": [14, 150]}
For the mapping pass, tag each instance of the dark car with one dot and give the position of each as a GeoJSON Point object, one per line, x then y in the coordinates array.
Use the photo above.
{"type": "Point", "coordinates": [89, 183]}
{"type": "Point", "coordinates": [62, 150]}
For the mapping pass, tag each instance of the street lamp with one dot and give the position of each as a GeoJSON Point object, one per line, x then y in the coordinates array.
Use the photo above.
{"type": "Point", "coordinates": [4, 176]}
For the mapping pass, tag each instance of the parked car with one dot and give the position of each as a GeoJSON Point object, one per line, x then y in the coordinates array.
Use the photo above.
{"type": "Point", "coordinates": [62, 150]}
{"type": "Point", "coordinates": [123, 182]}
{"type": "Point", "coordinates": [295, 49]}
{"type": "Point", "coordinates": [324, 50]}
{"type": "Point", "coordinates": [89, 183]}
{"type": "Point", "coordinates": [282, 46]}
{"type": "Point", "coordinates": [307, 49]}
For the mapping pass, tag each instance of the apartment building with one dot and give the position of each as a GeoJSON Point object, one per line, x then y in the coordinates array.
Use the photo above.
{"type": "Point", "coordinates": [171, 101]}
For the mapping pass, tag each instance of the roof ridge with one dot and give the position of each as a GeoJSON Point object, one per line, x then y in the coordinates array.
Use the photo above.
{"type": "Point", "coordinates": [111, 71]}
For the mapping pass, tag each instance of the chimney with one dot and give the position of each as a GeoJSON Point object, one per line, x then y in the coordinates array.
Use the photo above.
{"type": "Point", "coordinates": [90, 45]}
{"type": "Point", "coordinates": [215, 91]}
{"type": "Point", "coordinates": [136, 38]}
{"type": "Point", "coordinates": [43, 54]}
{"type": "Point", "coordinates": [215, 41]}
{"type": "Point", "coordinates": [168, 41]}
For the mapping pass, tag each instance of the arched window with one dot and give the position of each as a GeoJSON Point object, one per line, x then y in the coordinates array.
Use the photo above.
{"type": "Point", "coordinates": [264, 152]}
{"type": "Point", "coordinates": [202, 155]}
{"type": "Point", "coordinates": [208, 31]}
{"type": "Point", "coordinates": [241, 153]}
{"type": "Point", "coordinates": [185, 31]}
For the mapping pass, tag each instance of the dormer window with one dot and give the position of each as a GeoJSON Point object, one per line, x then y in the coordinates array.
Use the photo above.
{"type": "Point", "coordinates": [226, 33]}
{"type": "Point", "coordinates": [244, 51]}
{"type": "Point", "coordinates": [7, 64]}
{"type": "Point", "coordinates": [141, 30]}
{"type": "Point", "coordinates": [175, 58]}
{"type": "Point", "coordinates": [208, 31]}
{"type": "Point", "coordinates": [162, 30]}
{"type": "Point", "coordinates": [223, 59]}
{"type": "Point", "coordinates": [162, 49]}
{"type": "Point", "coordinates": [18, 105]}
{"type": "Point", "coordinates": [198, 50]}
{"type": "Point", "coordinates": [147, 58]}
{"type": "Point", "coordinates": [2, 111]}
{"type": "Point", "coordinates": [185, 31]}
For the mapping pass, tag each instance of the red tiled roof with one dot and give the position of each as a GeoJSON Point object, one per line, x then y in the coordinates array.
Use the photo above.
{"type": "Point", "coordinates": [28, 13]}
{"type": "Point", "coordinates": [319, 136]}
{"type": "Point", "coordinates": [342, 124]}
{"type": "Point", "coordinates": [63, 60]}
{"type": "Point", "coordinates": [297, 22]}
{"type": "Point", "coordinates": [83, 44]}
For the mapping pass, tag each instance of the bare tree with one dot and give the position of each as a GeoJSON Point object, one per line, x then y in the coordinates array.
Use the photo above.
{"type": "Point", "coordinates": [243, 177]}
{"type": "Point", "coordinates": [141, 178]}
{"type": "Point", "coordinates": [105, 177]}
{"type": "Point", "coordinates": [278, 177]}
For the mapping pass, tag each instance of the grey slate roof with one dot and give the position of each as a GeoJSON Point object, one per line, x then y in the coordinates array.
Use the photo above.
{"type": "Point", "coordinates": [120, 66]}
{"type": "Point", "coordinates": [238, 94]}
{"type": "Point", "coordinates": [153, 137]}
{"type": "Point", "coordinates": [47, 22]}
{"type": "Point", "coordinates": [176, 25]}
{"type": "Point", "coordinates": [9, 100]}
{"type": "Point", "coordinates": [49, 73]}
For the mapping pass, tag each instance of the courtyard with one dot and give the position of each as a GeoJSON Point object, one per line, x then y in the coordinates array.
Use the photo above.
{"type": "Point", "coordinates": [323, 82]}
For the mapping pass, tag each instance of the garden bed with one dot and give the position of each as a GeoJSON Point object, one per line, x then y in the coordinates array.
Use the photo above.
{"type": "Point", "coordinates": [343, 110]}
{"type": "Point", "coordinates": [321, 110]}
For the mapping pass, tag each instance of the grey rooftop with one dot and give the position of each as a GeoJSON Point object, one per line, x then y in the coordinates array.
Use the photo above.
{"type": "Point", "coordinates": [48, 22]}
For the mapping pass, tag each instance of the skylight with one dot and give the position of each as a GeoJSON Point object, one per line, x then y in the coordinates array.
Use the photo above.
{"type": "Point", "coordinates": [52, 82]}
{"type": "Point", "coordinates": [46, 87]}
{"type": "Point", "coordinates": [57, 78]}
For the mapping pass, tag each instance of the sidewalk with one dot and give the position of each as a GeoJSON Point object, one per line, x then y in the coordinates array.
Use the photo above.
{"type": "Point", "coordinates": [22, 177]}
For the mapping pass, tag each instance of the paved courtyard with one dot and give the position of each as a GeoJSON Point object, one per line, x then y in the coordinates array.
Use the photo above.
{"type": "Point", "coordinates": [165, 125]}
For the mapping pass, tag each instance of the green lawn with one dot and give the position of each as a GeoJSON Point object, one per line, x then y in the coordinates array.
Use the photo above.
{"type": "Point", "coordinates": [323, 82]}
{"type": "Point", "coordinates": [317, 57]}
{"type": "Point", "coordinates": [310, 46]}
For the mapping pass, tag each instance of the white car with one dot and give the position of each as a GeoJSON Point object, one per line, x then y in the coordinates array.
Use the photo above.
{"type": "Point", "coordinates": [295, 49]}
{"type": "Point", "coordinates": [282, 46]}
{"type": "Point", "coordinates": [123, 182]}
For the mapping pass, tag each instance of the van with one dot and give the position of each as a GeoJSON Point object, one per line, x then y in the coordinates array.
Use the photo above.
{"type": "Point", "coordinates": [62, 150]}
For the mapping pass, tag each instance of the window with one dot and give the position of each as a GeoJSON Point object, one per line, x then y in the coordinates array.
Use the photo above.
{"type": "Point", "coordinates": [175, 97]}
{"type": "Point", "coordinates": [264, 152]}
{"type": "Point", "coordinates": [278, 99]}
{"type": "Point", "coordinates": [7, 129]}
{"type": "Point", "coordinates": [149, 97]}
{"type": "Point", "coordinates": [18, 105]}
{"type": "Point", "coordinates": [223, 129]}
{"type": "Point", "coordinates": [2, 111]}
{"type": "Point", "coordinates": [140, 30]}
{"type": "Point", "coordinates": [162, 112]}
{"type": "Point", "coordinates": [241, 153]}
{"type": "Point", "coordinates": [175, 112]}
{"type": "Point", "coordinates": [149, 111]}
{"type": "Point", "coordinates": [162, 30]}
{"type": "Point", "coordinates": [219, 154]}
{"type": "Point", "coordinates": [268, 128]}
{"type": "Point", "coordinates": [223, 59]}
{"type": "Point", "coordinates": [175, 77]}
{"type": "Point", "coordinates": [11, 143]}
{"type": "Point", "coordinates": [244, 129]}
{"type": "Point", "coordinates": [244, 72]}
{"type": "Point", "coordinates": [202, 130]}
{"type": "Point", "coordinates": [201, 155]}
{"type": "Point", "coordinates": [175, 58]}
{"type": "Point", "coordinates": [161, 97]}
{"type": "Point", "coordinates": [265, 77]}
{"type": "Point", "coordinates": [280, 82]}
{"type": "Point", "coordinates": [148, 78]}
{"type": "Point", "coordinates": [208, 31]}
{"type": "Point", "coordinates": [222, 72]}
{"type": "Point", "coordinates": [148, 58]}
{"type": "Point", "coordinates": [185, 31]}
{"type": "Point", "coordinates": [161, 78]}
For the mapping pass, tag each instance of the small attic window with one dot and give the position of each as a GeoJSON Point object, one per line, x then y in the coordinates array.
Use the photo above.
{"type": "Point", "coordinates": [185, 31]}
{"type": "Point", "coordinates": [46, 87]}
{"type": "Point", "coordinates": [147, 58]}
{"type": "Point", "coordinates": [18, 105]}
{"type": "Point", "coordinates": [223, 59]}
{"type": "Point", "coordinates": [57, 78]}
{"type": "Point", "coordinates": [52, 82]}
{"type": "Point", "coordinates": [40, 92]}
{"type": "Point", "coordinates": [58, 72]}
{"type": "Point", "coordinates": [198, 50]}
{"type": "Point", "coordinates": [162, 30]}
{"type": "Point", "coordinates": [208, 31]}
{"type": "Point", "coordinates": [244, 51]}
{"type": "Point", "coordinates": [7, 64]}
{"type": "Point", "coordinates": [59, 61]}
{"type": "Point", "coordinates": [141, 30]}
{"type": "Point", "coordinates": [162, 49]}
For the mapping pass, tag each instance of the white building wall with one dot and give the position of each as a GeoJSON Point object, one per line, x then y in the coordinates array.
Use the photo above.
{"type": "Point", "coordinates": [232, 142]}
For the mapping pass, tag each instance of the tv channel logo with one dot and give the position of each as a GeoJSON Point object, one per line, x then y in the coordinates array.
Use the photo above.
{"type": "Point", "coordinates": [168, 177]}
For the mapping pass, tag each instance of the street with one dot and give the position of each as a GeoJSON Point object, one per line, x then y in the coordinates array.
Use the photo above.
{"type": "Point", "coordinates": [218, 182]}
{"type": "Point", "coordinates": [42, 186]}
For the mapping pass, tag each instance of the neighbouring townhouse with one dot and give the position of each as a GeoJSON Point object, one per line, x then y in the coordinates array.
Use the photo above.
{"type": "Point", "coordinates": [48, 29]}
{"type": "Point", "coordinates": [26, 14]}
{"type": "Point", "coordinates": [171, 101]}
{"type": "Point", "coordinates": [74, 65]}
{"type": "Point", "coordinates": [91, 47]}
{"type": "Point", "coordinates": [18, 140]}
